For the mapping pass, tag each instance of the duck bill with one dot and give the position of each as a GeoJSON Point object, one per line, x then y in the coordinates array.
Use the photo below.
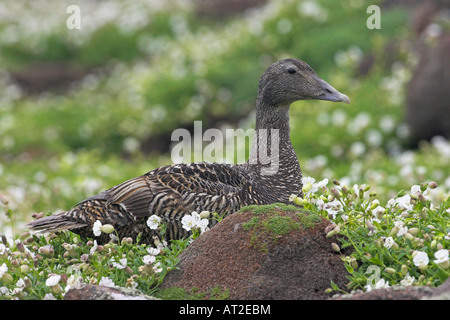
{"type": "Point", "coordinates": [331, 94]}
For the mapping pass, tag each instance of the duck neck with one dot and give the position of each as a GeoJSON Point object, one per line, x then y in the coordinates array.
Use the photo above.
{"type": "Point", "coordinates": [272, 154]}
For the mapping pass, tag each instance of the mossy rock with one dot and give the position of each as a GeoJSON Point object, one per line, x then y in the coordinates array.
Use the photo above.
{"type": "Point", "coordinates": [263, 252]}
{"type": "Point", "coordinates": [271, 222]}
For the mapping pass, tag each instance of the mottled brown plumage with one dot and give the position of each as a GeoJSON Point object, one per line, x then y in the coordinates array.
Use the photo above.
{"type": "Point", "coordinates": [173, 191]}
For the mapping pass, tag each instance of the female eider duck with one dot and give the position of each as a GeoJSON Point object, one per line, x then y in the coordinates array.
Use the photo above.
{"type": "Point", "coordinates": [174, 191]}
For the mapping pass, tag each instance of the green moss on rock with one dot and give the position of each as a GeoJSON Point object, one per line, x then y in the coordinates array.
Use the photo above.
{"type": "Point", "coordinates": [271, 222]}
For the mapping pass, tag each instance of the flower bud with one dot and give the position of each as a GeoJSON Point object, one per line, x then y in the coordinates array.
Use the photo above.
{"type": "Point", "coordinates": [394, 231]}
{"type": "Point", "coordinates": [4, 199]}
{"type": "Point", "coordinates": [24, 269]}
{"type": "Point", "coordinates": [369, 225]}
{"type": "Point", "coordinates": [57, 288]}
{"type": "Point", "coordinates": [423, 267]}
{"type": "Point", "coordinates": [331, 234]}
{"type": "Point", "coordinates": [354, 263]}
{"type": "Point", "coordinates": [414, 231]}
{"type": "Point", "coordinates": [146, 269]}
{"type": "Point", "coordinates": [6, 278]}
{"type": "Point", "coordinates": [421, 198]}
{"type": "Point", "coordinates": [298, 201]}
{"type": "Point", "coordinates": [345, 190]}
{"type": "Point", "coordinates": [205, 214]}
{"type": "Point", "coordinates": [28, 283]}
{"type": "Point", "coordinates": [107, 228]}
{"type": "Point", "coordinates": [432, 185]}
{"type": "Point", "coordinates": [423, 186]}
{"type": "Point", "coordinates": [335, 193]}
{"type": "Point", "coordinates": [408, 235]}
{"type": "Point", "coordinates": [374, 205]}
{"type": "Point", "coordinates": [433, 244]}
{"type": "Point", "coordinates": [404, 270]}
{"type": "Point", "coordinates": [390, 270]}
{"type": "Point", "coordinates": [335, 247]}
{"type": "Point", "coordinates": [128, 270]}
{"type": "Point", "coordinates": [20, 246]}
{"type": "Point", "coordinates": [336, 182]}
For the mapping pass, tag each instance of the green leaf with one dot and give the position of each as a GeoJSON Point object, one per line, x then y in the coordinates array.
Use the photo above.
{"type": "Point", "coordinates": [334, 286]}
{"type": "Point", "coordinates": [377, 261]}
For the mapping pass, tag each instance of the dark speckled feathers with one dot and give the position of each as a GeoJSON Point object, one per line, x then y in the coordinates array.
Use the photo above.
{"type": "Point", "coordinates": [174, 191]}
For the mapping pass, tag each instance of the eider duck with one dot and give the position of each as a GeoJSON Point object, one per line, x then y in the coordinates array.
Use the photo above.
{"type": "Point", "coordinates": [271, 174]}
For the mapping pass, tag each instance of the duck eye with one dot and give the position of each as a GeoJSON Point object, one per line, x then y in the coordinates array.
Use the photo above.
{"type": "Point", "coordinates": [291, 70]}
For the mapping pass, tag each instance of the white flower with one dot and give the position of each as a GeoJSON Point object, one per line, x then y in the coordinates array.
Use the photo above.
{"type": "Point", "coordinates": [94, 248]}
{"type": "Point", "coordinates": [153, 222]}
{"type": "Point", "coordinates": [188, 222]}
{"type": "Point", "coordinates": [401, 228]}
{"type": "Point", "coordinates": [49, 296]}
{"type": "Point", "coordinates": [71, 281]}
{"type": "Point", "coordinates": [4, 291]}
{"type": "Point", "coordinates": [157, 267]}
{"type": "Point", "coordinates": [407, 281]}
{"type": "Point", "coordinates": [415, 189]}
{"type": "Point", "coordinates": [441, 256]}
{"type": "Point", "coordinates": [333, 208]}
{"type": "Point", "coordinates": [148, 259]}
{"type": "Point", "coordinates": [107, 282]}
{"type": "Point", "coordinates": [153, 251]}
{"type": "Point", "coordinates": [320, 204]}
{"type": "Point", "coordinates": [193, 221]}
{"type": "Point", "coordinates": [308, 183]}
{"type": "Point", "coordinates": [291, 199]}
{"type": "Point", "coordinates": [202, 225]}
{"type": "Point", "coordinates": [3, 270]}
{"type": "Point", "coordinates": [121, 264]}
{"type": "Point", "coordinates": [53, 280]}
{"type": "Point", "coordinates": [322, 183]}
{"type": "Point", "coordinates": [404, 202]}
{"type": "Point", "coordinates": [378, 211]}
{"type": "Point", "coordinates": [20, 283]}
{"type": "Point", "coordinates": [420, 259]}
{"type": "Point", "coordinates": [389, 242]}
{"type": "Point", "coordinates": [2, 248]}
{"type": "Point", "coordinates": [381, 284]}
{"type": "Point", "coordinates": [96, 228]}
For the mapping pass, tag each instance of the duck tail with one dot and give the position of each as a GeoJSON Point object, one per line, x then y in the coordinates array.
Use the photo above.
{"type": "Point", "coordinates": [58, 222]}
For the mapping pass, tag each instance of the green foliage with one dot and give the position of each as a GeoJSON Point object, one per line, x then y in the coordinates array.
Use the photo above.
{"type": "Point", "coordinates": [400, 243]}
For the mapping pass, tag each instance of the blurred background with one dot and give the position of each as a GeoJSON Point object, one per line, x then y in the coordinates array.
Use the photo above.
{"type": "Point", "coordinates": [82, 110]}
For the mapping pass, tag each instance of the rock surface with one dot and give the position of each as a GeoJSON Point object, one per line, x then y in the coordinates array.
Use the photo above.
{"type": "Point", "coordinates": [427, 100]}
{"type": "Point", "coordinates": [242, 255]}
